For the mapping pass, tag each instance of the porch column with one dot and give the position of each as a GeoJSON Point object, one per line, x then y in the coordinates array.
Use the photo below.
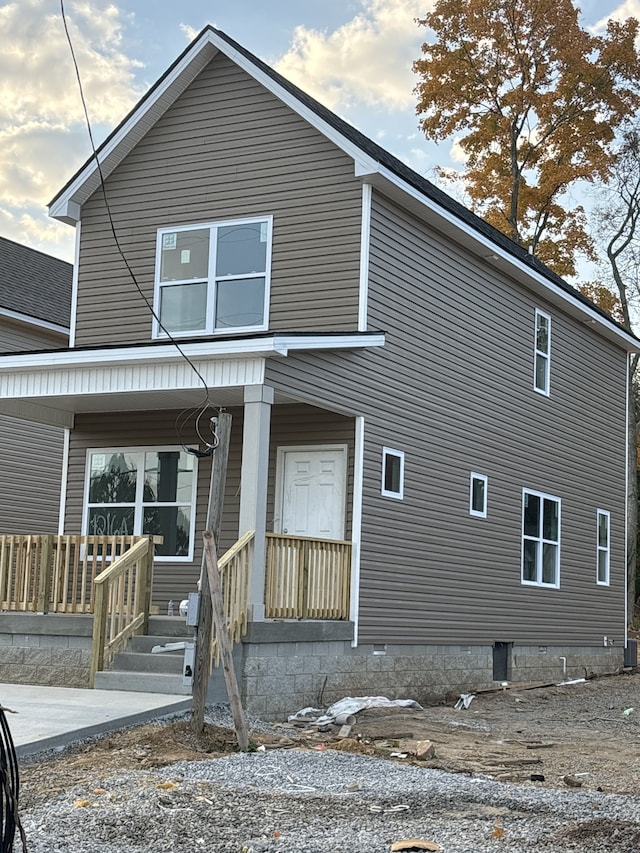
{"type": "Point", "coordinates": [258, 400]}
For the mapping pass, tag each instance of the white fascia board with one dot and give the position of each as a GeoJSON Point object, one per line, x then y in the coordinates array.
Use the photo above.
{"type": "Point", "coordinates": [325, 342]}
{"type": "Point", "coordinates": [364, 164]}
{"type": "Point", "coordinates": [628, 342]}
{"type": "Point", "coordinates": [274, 345]}
{"type": "Point", "coordinates": [34, 321]}
{"type": "Point", "coordinates": [67, 206]}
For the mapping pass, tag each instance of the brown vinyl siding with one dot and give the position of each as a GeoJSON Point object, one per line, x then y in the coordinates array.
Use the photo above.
{"type": "Point", "coordinates": [21, 337]}
{"type": "Point", "coordinates": [30, 453]}
{"type": "Point", "coordinates": [291, 424]}
{"type": "Point", "coordinates": [453, 389]}
{"type": "Point", "coordinates": [148, 430]}
{"type": "Point", "coordinates": [226, 148]}
{"type": "Point", "coordinates": [30, 472]}
{"type": "Point", "coordinates": [299, 425]}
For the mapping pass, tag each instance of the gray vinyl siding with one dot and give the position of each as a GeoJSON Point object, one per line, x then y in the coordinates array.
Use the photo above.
{"type": "Point", "coordinates": [30, 453]}
{"type": "Point", "coordinates": [453, 389]}
{"type": "Point", "coordinates": [291, 425]}
{"type": "Point", "coordinates": [226, 148]}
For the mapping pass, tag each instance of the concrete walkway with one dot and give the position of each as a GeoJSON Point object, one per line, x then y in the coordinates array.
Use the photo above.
{"type": "Point", "coordinates": [50, 717]}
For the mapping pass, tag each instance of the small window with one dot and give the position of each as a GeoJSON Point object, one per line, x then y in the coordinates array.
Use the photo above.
{"type": "Point", "coordinates": [213, 278]}
{"type": "Point", "coordinates": [392, 473]}
{"type": "Point", "coordinates": [604, 548]}
{"type": "Point", "coordinates": [542, 354]}
{"type": "Point", "coordinates": [540, 539]}
{"type": "Point", "coordinates": [478, 495]}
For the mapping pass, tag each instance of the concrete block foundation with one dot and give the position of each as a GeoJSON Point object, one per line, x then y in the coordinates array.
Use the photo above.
{"type": "Point", "coordinates": [289, 666]}
{"type": "Point", "coordinates": [52, 650]}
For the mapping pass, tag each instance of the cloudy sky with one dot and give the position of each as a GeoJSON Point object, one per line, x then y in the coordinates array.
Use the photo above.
{"type": "Point", "coordinates": [353, 55]}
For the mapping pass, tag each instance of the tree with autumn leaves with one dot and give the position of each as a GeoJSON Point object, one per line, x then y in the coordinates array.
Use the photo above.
{"type": "Point", "coordinates": [536, 103]}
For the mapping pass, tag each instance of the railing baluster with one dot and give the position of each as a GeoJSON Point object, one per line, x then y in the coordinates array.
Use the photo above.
{"type": "Point", "coordinates": [307, 577]}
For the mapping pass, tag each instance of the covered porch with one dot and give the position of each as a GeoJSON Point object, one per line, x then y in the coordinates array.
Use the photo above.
{"type": "Point", "coordinates": [143, 413]}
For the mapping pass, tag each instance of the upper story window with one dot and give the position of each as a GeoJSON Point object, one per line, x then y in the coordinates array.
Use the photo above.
{"type": "Point", "coordinates": [542, 354]}
{"type": "Point", "coordinates": [603, 547]}
{"type": "Point", "coordinates": [392, 473]}
{"type": "Point", "coordinates": [138, 492]}
{"type": "Point", "coordinates": [540, 539]}
{"type": "Point", "coordinates": [478, 495]}
{"type": "Point", "coordinates": [213, 277]}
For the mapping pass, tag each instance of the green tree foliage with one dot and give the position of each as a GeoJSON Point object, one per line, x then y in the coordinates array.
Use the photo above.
{"type": "Point", "coordinates": [536, 101]}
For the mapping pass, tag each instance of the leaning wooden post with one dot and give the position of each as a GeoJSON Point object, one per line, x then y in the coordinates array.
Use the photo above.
{"type": "Point", "coordinates": [202, 663]}
{"type": "Point", "coordinates": [222, 633]}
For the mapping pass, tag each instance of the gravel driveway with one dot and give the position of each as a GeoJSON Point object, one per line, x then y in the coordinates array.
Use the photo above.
{"type": "Point", "coordinates": [319, 799]}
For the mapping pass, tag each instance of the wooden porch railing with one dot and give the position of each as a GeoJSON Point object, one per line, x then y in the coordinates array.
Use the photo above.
{"type": "Point", "coordinates": [55, 574]}
{"type": "Point", "coordinates": [307, 578]}
{"type": "Point", "coordinates": [122, 602]}
{"type": "Point", "coordinates": [234, 566]}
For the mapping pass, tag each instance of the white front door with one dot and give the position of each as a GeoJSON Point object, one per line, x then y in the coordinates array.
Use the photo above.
{"type": "Point", "coordinates": [311, 485]}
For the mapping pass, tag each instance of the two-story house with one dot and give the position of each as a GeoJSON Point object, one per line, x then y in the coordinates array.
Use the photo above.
{"type": "Point", "coordinates": [413, 397]}
{"type": "Point", "coordinates": [35, 300]}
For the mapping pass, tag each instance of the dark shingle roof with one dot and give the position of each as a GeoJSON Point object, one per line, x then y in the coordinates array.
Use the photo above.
{"type": "Point", "coordinates": [429, 190]}
{"type": "Point", "coordinates": [35, 284]}
{"type": "Point", "coordinates": [401, 170]}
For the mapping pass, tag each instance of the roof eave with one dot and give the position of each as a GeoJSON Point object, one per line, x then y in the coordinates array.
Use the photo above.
{"type": "Point", "coordinates": [491, 253]}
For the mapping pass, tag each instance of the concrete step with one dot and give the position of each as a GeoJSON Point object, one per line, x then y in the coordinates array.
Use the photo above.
{"type": "Point", "coordinates": [167, 662]}
{"type": "Point", "coordinates": [146, 643]}
{"type": "Point", "coordinates": [169, 626]}
{"type": "Point", "coordinates": [142, 682]}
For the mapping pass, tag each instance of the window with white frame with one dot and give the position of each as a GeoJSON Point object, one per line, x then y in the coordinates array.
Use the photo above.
{"type": "Point", "coordinates": [603, 547]}
{"type": "Point", "coordinates": [478, 495]}
{"type": "Point", "coordinates": [136, 492]}
{"type": "Point", "coordinates": [213, 277]}
{"type": "Point", "coordinates": [542, 354]}
{"type": "Point", "coordinates": [540, 539]}
{"type": "Point", "coordinates": [392, 473]}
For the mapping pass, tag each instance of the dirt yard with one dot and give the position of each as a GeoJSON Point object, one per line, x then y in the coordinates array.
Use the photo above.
{"type": "Point", "coordinates": [584, 735]}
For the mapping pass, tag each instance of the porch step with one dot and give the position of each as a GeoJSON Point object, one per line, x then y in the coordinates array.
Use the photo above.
{"type": "Point", "coordinates": [142, 682]}
{"type": "Point", "coordinates": [137, 668]}
{"type": "Point", "coordinates": [167, 663]}
{"type": "Point", "coordinates": [144, 644]}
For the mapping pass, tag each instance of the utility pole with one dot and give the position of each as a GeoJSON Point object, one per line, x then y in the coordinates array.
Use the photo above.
{"type": "Point", "coordinates": [202, 663]}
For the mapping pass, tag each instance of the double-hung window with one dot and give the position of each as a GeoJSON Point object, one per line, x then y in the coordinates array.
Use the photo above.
{"type": "Point", "coordinates": [603, 547]}
{"type": "Point", "coordinates": [540, 539]}
{"type": "Point", "coordinates": [137, 492]}
{"type": "Point", "coordinates": [213, 277]}
{"type": "Point", "coordinates": [542, 353]}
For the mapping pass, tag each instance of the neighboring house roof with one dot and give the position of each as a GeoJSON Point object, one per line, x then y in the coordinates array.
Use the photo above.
{"type": "Point", "coordinates": [371, 162]}
{"type": "Point", "coordinates": [35, 285]}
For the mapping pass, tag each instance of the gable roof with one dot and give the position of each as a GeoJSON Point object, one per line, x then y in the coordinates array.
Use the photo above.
{"type": "Point", "coordinates": [35, 285]}
{"type": "Point", "coordinates": [372, 162]}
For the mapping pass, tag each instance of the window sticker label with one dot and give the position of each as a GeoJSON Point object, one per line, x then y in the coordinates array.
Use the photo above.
{"type": "Point", "coordinates": [169, 241]}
